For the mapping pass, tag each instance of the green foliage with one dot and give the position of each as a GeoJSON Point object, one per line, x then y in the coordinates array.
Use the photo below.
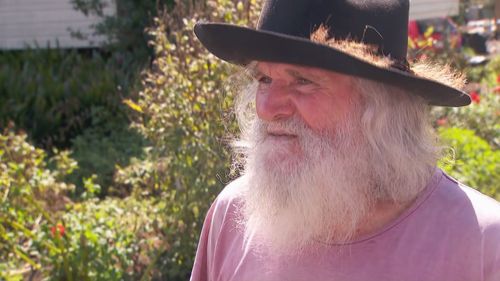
{"type": "Point", "coordinates": [99, 244]}
{"type": "Point", "coordinates": [180, 111]}
{"type": "Point", "coordinates": [31, 195]}
{"type": "Point", "coordinates": [102, 147]}
{"type": "Point", "coordinates": [64, 98]}
{"type": "Point", "coordinates": [474, 163]}
{"type": "Point", "coordinates": [476, 157]}
{"type": "Point", "coordinates": [44, 234]}
{"type": "Point", "coordinates": [70, 98]}
{"type": "Point", "coordinates": [482, 117]}
{"type": "Point", "coordinates": [52, 93]}
{"type": "Point", "coordinates": [125, 29]}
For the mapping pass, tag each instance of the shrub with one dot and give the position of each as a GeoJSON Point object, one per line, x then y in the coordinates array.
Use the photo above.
{"type": "Point", "coordinates": [180, 111]}
{"type": "Point", "coordinates": [474, 162]}
{"type": "Point", "coordinates": [99, 244]}
{"type": "Point", "coordinates": [125, 29]}
{"type": "Point", "coordinates": [474, 134]}
{"type": "Point", "coordinates": [31, 195]}
{"type": "Point", "coordinates": [65, 98]}
{"type": "Point", "coordinates": [101, 148]}
{"type": "Point", "coordinates": [482, 117]}
{"type": "Point", "coordinates": [51, 94]}
{"type": "Point", "coordinates": [45, 235]}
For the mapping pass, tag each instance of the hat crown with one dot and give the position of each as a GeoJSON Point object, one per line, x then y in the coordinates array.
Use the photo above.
{"type": "Point", "coordinates": [383, 23]}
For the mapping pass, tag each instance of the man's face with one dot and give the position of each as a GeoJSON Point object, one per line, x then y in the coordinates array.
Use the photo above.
{"type": "Point", "coordinates": [320, 98]}
{"type": "Point", "coordinates": [313, 160]}
{"type": "Point", "coordinates": [303, 148]}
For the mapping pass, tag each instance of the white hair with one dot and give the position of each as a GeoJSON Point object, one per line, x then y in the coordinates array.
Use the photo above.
{"type": "Point", "coordinates": [403, 143]}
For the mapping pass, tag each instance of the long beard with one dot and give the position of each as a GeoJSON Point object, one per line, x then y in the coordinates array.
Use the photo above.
{"type": "Point", "coordinates": [307, 192]}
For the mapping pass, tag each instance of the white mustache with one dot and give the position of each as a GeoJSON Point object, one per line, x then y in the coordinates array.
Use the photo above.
{"type": "Point", "coordinates": [295, 127]}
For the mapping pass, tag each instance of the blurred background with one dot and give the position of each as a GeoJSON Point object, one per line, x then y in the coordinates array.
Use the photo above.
{"type": "Point", "coordinates": [114, 125]}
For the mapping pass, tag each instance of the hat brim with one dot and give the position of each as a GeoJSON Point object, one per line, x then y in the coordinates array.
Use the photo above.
{"type": "Point", "coordinates": [242, 45]}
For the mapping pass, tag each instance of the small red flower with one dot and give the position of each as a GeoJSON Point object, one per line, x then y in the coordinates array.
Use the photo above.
{"type": "Point", "coordinates": [476, 98]}
{"type": "Point", "coordinates": [497, 89]}
{"type": "Point", "coordinates": [58, 230]}
{"type": "Point", "coordinates": [498, 78]}
{"type": "Point", "coordinates": [442, 122]}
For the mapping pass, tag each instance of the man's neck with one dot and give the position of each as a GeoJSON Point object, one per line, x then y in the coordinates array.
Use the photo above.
{"type": "Point", "coordinates": [382, 215]}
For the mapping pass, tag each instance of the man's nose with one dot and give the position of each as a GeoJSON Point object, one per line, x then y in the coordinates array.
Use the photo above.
{"type": "Point", "coordinates": [274, 103]}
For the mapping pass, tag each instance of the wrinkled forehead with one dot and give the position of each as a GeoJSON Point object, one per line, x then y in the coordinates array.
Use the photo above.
{"type": "Point", "coordinates": [258, 68]}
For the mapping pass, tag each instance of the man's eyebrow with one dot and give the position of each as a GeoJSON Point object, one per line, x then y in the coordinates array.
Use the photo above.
{"type": "Point", "coordinates": [256, 73]}
{"type": "Point", "coordinates": [298, 74]}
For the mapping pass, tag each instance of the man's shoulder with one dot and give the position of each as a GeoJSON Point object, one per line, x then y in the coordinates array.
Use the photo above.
{"type": "Point", "coordinates": [462, 222]}
{"type": "Point", "coordinates": [466, 201]}
{"type": "Point", "coordinates": [485, 206]}
{"type": "Point", "coordinates": [229, 200]}
{"type": "Point", "coordinates": [232, 192]}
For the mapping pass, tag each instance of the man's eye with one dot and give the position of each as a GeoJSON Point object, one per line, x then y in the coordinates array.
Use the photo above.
{"type": "Point", "coordinates": [264, 80]}
{"type": "Point", "coordinates": [303, 81]}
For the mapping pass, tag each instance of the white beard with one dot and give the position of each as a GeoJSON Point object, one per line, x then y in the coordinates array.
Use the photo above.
{"type": "Point", "coordinates": [305, 193]}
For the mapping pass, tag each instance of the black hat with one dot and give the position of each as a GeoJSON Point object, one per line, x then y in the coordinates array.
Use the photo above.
{"type": "Point", "coordinates": [284, 30]}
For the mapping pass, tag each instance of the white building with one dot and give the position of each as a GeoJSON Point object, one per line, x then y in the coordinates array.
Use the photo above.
{"type": "Point", "coordinates": [46, 23]}
{"type": "Point", "coordinates": [426, 9]}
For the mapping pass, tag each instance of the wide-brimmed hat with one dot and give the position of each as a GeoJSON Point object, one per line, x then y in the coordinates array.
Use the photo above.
{"type": "Point", "coordinates": [283, 34]}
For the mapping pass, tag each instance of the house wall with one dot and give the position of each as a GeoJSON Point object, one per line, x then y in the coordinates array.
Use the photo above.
{"type": "Point", "coordinates": [45, 23]}
{"type": "Point", "coordinates": [425, 9]}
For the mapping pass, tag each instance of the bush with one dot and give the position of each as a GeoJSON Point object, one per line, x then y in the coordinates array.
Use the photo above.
{"type": "Point", "coordinates": [51, 94]}
{"type": "Point", "coordinates": [476, 164]}
{"type": "Point", "coordinates": [125, 29]}
{"type": "Point", "coordinates": [66, 98]}
{"type": "Point", "coordinates": [180, 111]}
{"type": "Point", "coordinates": [107, 144]}
{"type": "Point", "coordinates": [32, 195]}
{"type": "Point", "coordinates": [473, 132]}
{"type": "Point", "coordinates": [98, 244]}
{"type": "Point", "coordinates": [482, 117]}
{"type": "Point", "coordinates": [45, 235]}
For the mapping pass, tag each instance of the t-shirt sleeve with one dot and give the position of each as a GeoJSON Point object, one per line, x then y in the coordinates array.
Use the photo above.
{"type": "Point", "coordinates": [220, 216]}
{"type": "Point", "coordinates": [200, 267]}
{"type": "Point", "coordinates": [492, 252]}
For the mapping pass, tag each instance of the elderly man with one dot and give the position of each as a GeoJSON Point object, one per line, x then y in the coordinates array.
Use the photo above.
{"type": "Point", "coordinates": [339, 178]}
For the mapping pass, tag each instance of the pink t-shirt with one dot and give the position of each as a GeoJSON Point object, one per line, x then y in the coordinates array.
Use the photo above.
{"type": "Point", "coordinates": [450, 233]}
